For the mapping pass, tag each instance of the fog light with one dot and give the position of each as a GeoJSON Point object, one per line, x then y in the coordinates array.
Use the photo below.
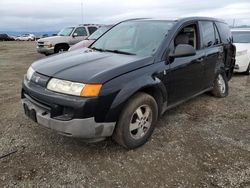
{"type": "Point", "coordinates": [236, 67]}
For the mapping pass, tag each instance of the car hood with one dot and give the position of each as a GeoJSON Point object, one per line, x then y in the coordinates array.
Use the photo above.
{"type": "Point", "coordinates": [242, 46]}
{"type": "Point", "coordinates": [53, 39]}
{"type": "Point", "coordinates": [88, 66]}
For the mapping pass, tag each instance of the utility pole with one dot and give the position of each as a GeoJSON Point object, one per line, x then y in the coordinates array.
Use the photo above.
{"type": "Point", "coordinates": [82, 11]}
{"type": "Point", "coordinates": [233, 22]}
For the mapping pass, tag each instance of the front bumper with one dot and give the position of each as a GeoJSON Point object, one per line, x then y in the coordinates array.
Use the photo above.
{"type": "Point", "coordinates": [242, 63]}
{"type": "Point", "coordinates": [45, 50]}
{"type": "Point", "coordinates": [80, 128]}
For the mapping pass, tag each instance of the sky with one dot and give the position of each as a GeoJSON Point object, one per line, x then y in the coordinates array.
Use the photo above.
{"type": "Point", "coordinates": [52, 15]}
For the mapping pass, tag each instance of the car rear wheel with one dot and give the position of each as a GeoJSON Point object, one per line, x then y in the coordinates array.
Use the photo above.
{"type": "Point", "coordinates": [137, 121]}
{"type": "Point", "coordinates": [220, 88]}
{"type": "Point", "coordinates": [248, 70]}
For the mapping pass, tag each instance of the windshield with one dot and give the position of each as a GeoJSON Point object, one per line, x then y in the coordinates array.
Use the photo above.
{"type": "Point", "coordinates": [66, 31]}
{"type": "Point", "coordinates": [98, 33]}
{"type": "Point", "coordinates": [141, 37]}
{"type": "Point", "coordinates": [241, 37]}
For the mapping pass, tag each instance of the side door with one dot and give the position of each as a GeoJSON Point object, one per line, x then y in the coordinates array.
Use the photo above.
{"type": "Point", "coordinates": [78, 35]}
{"type": "Point", "coordinates": [213, 49]}
{"type": "Point", "coordinates": [185, 73]}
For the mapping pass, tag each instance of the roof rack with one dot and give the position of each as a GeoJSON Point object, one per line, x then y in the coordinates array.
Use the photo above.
{"type": "Point", "coordinates": [89, 24]}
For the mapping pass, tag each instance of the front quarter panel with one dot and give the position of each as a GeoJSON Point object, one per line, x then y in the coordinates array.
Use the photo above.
{"type": "Point", "coordinates": [117, 92]}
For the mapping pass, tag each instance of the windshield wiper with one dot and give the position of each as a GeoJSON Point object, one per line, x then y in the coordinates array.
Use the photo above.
{"type": "Point", "coordinates": [97, 49]}
{"type": "Point", "coordinates": [120, 52]}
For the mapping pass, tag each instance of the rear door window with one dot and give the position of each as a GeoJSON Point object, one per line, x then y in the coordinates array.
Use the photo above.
{"type": "Point", "coordinates": [208, 35]}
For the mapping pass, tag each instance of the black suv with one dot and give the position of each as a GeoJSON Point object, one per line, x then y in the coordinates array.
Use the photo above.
{"type": "Point", "coordinates": [132, 74]}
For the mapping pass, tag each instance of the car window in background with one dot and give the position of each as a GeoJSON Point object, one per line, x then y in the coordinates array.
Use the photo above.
{"type": "Point", "coordinates": [136, 37]}
{"type": "Point", "coordinates": [98, 33]}
{"type": "Point", "coordinates": [207, 28]}
{"type": "Point", "coordinates": [241, 37]}
{"type": "Point", "coordinates": [81, 31]}
{"type": "Point", "coordinates": [66, 31]}
{"type": "Point", "coordinates": [92, 30]}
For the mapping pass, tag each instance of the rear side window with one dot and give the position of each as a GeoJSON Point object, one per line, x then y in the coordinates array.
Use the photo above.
{"type": "Point", "coordinates": [92, 30]}
{"type": "Point", "coordinates": [225, 32]}
{"type": "Point", "coordinates": [208, 35]}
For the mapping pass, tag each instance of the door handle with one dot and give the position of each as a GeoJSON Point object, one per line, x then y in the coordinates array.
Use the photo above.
{"type": "Point", "coordinates": [200, 60]}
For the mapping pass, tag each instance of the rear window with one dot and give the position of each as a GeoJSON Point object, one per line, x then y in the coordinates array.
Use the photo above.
{"type": "Point", "coordinates": [225, 32]}
{"type": "Point", "coordinates": [241, 36]}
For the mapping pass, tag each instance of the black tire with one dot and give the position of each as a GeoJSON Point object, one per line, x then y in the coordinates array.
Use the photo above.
{"type": "Point", "coordinates": [61, 48]}
{"type": "Point", "coordinates": [220, 87]}
{"type": "Point", "coordinates": [123, 134]}
{"type": "Point", "coordinates": [248, 70]}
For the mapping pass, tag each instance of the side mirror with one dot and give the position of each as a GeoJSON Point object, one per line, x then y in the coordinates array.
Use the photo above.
{"type": "Point", "coordinates": [74, 35]}
{"type": "Point", "coordinates": [183, 50]}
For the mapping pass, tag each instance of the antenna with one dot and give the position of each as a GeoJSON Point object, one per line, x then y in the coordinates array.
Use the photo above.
{"type": "Point", "coordinates": [82, 11]}
{"type": "Point", "coordinates": [233, 22]}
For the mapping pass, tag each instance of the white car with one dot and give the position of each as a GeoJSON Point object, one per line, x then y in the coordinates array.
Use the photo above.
{"type": "Point", "coordinates": [26, 37]}
{"type": "Point", "coordinates": [241, 38]}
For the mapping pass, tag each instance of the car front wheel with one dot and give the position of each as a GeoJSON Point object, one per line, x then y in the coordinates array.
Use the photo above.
{"type": "Point", "coordinates": [220, 88]}
{"type": "Point", "coordinates": [137, 121]}
{"type": "Point", "coordinates": [61, 49]}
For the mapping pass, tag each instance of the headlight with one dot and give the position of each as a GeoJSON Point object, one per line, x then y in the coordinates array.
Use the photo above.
{"type": "Point", "coordinates": [30, 72]}
{"type": "Point", "coordinates": [48, 44]}
{"type": "Point", "coordinates": [240, 53]}
{"type": "Point", "coordinates": [74, 88]}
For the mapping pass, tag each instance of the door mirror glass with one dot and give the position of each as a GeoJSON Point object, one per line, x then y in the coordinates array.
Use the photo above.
{"type": "Point", "coordinates": [183, 50]}
{"type": "Point", "coordinates": [75, 34]}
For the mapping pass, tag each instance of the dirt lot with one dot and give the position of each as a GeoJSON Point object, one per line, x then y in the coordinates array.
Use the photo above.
{"type": "Point", "coordinates": [202, 143]}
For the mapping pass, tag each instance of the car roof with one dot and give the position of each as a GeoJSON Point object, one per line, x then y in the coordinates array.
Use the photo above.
{"type": "Point", "coordinates": [185, 19]}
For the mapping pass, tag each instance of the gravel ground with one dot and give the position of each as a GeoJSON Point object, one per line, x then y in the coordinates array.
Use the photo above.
{"type": "Point", "coordinates": [202, 143]}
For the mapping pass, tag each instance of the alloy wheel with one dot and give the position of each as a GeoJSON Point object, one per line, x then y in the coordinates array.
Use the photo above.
{"type": "Point", "coordinates": [221, 83]}
{"type": "Point", "coordinates": [140, 122]}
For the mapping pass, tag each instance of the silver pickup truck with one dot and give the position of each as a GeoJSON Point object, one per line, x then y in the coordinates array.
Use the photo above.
{"type": "Point", "coordinates": [64, 39]}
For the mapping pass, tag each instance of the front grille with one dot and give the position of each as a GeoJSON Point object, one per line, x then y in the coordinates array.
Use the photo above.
{"type": "Point", "coordinates": [40, 44]}
{"type": "Point", "coordinates": [40, 79]}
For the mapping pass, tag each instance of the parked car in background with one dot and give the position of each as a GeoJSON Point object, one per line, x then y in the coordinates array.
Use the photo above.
{"type": "Point", "coordinates": [123, 82]}
{"type": "Point", "coordinates": [241, 38]}
{"type": "Point", "coordinates": [88, 41]}
{"type": "Point", "coordinates": [5, 37]}
{"type": "Point", "coordinates": [26, 37]}
{"type": "Point", "coordinates": [64, 39]}
{"type": "Point", "coordinates": [41, 36]}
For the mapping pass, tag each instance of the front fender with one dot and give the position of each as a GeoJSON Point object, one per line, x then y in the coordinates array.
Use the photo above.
{"type": "Point", "coordinates": [129, 89]}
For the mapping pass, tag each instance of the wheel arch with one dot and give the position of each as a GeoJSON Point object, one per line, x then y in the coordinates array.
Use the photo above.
{"type": "Point", "coordinates": [61, 44]}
